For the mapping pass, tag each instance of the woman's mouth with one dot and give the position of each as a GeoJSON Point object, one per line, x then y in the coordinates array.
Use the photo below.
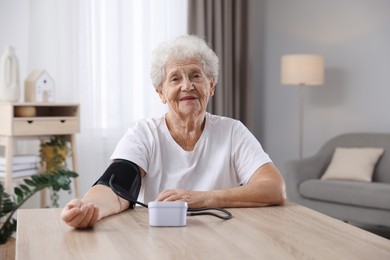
{"type": "Point", "coordinates": [187, 98]}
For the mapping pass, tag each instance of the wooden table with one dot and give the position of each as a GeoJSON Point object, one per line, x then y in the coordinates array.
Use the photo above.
{"type": "Point", "coordinates": [285, 232]}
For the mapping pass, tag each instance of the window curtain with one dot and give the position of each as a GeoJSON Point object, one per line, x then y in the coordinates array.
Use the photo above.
{"type": "Point", "coordinates": [98, 52]}
{"type": "Point", "coordinates": [224, 24]}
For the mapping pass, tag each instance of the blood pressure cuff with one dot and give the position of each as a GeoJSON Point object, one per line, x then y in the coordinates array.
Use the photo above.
{"type": "Point", "coordinates": [124, 178]}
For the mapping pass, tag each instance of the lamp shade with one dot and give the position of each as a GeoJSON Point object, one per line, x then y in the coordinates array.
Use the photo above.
{"type": "Point", "coordinates": [302, 69]}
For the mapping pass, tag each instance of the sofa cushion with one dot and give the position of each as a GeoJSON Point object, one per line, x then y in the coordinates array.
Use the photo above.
{"type": "Point", "coordinates": [353, 164]}
{"type": "Point", "coordinates": [371, 195]}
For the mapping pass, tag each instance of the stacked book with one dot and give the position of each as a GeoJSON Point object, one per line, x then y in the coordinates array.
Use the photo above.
{"type": "Point", "coordinates": [22, 165]}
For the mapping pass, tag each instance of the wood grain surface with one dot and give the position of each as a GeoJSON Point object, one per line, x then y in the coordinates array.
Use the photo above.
{"type": "Point", "coordinates": [283, 232]}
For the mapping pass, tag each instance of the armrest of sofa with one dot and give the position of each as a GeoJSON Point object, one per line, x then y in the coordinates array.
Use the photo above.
{"type": "Point", "coordinates": [297, 171]}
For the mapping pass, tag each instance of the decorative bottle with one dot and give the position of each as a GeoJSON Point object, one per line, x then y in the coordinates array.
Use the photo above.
{"type": "Point", "coordinates": [9, 76]}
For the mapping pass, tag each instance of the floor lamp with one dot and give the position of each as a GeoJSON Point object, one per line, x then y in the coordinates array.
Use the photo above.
{"type": "Point", "coordinates": [302, 70]}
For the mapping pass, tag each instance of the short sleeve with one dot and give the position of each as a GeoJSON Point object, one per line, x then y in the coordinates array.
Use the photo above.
{"type": "Point", "coordinates": [134, 146]}
{"type": "Point", "coordinates": [248, 154]}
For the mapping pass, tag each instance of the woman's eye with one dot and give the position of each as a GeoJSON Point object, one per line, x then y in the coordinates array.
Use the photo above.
{"type": "Point", "coordinates": [197, 76]}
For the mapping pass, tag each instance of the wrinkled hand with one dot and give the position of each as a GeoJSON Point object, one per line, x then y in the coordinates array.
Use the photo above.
{"type": "Point", "coordinates": [79, 214]}
{"type": "Point", "coordinates": [195, 199]}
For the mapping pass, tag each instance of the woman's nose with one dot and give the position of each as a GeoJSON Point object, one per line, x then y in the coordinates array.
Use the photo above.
{"type": "Point", "coordinates": [187, 84]}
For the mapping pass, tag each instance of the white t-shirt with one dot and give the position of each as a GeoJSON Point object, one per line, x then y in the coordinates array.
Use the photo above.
{"type": "Point", "coordinates": [225, 156]}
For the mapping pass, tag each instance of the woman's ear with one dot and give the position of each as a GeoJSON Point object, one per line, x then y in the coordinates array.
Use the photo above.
{"type": "Point", "coordinates": [212, 87]}
{"type": "Point", "coordinates": [160, 93]}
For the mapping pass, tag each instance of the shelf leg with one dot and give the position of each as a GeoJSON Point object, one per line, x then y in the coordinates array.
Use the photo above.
{"type": "Point", "coordinates": [9, 146]}
{"type": "Point", "coordinates": [75, 165]}
{"type": "Point", "coordinates": [43, 198]}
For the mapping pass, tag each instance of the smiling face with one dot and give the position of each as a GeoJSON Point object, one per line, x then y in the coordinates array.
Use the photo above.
{"type": "Point", "coordinates": [186, 88]}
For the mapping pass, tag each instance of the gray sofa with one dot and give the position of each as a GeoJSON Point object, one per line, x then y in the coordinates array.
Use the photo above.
{"type": "Point", "coordinates": [366, 203]}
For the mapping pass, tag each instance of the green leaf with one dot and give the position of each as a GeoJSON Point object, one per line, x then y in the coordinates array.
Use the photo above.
{"type": "Point", "coordinates": [8, 206]}
{"type": "Point", "coordinates": [25, 188]}
{"type": "Point", "coordinates": [6, 231]}
{"type": "Point", "coordinates": [18, 191]}
{"type": "Point", "coordinates": [30, 182]}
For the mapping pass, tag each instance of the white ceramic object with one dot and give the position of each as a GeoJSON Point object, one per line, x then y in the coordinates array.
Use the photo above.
{"type": "Point", "coordinates": [9, 76]}
{"type": "Point", "coordinates": [39, 86]}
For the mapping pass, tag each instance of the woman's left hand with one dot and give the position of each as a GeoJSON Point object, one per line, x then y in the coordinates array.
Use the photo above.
{"type": "Point", "coordinates": [195, 199]}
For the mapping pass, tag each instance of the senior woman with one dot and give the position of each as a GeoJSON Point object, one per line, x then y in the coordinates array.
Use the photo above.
{"type": "Point", "coordinates": [187, 154]}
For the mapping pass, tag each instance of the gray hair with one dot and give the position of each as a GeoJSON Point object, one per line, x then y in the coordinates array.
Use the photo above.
{"type": "Point", "coordinates": [183, 47]}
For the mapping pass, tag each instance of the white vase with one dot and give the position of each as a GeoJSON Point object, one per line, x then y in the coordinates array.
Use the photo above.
{"type": "Point", "coordinates": [9, 76]}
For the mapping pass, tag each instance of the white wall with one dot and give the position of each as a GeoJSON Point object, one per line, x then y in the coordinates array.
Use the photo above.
{"type": "Point", "coordinates": [14, 18]}
{"type": "Point", "coordinates": [354, 37]}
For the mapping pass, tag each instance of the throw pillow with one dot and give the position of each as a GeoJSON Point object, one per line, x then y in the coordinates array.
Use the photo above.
{"type": "Point", "coordinates": [353, 164]}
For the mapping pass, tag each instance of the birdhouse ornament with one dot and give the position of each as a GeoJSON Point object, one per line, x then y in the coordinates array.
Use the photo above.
{"type": "Point", "coordinates": [39, 87]}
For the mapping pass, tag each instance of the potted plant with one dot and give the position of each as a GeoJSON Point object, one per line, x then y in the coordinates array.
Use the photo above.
{"type": "Point", "coordinates": [53, 153]}
{"type": "Point", "coordinates": [59, 180]}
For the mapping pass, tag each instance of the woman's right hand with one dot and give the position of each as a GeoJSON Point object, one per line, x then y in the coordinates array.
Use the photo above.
{"type": "Point", "coordinates": [79, 214]}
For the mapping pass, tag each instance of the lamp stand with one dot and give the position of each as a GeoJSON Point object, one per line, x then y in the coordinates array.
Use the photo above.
{"type": "Point", "coordinates": [302, 70]}
{"type": "Point", "coordinates": [301, 118]}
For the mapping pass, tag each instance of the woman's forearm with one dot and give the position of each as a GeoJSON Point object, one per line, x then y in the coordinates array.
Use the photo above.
{"type": "Point", "coordinates": [106, 200]}
{"type": "Point", "coordinates": [266, 187]}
